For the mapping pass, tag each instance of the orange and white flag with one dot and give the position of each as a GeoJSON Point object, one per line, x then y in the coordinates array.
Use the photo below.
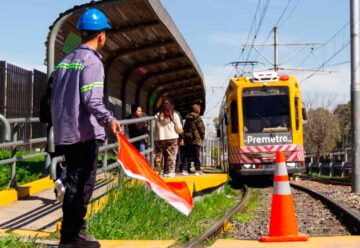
{"type": "Point", "coordinates": [177, 194]}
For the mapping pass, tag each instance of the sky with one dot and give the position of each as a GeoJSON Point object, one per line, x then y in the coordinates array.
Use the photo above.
{"type": "Point", "coordinates": [217, 31]}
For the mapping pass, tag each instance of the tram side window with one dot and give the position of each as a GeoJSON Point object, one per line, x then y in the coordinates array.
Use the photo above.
{"type": "Point", "coordinates": [234, 117]}
{"type": "Point", "coordinates": [297, 120]}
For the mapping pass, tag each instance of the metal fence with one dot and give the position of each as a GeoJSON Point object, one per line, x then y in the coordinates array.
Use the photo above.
{"type": "Point", "coordinates": [20, 93]}
{"type": "Point", "coordinates": [211, 152]}
{"type": "Point", "coordinates": [13, 143]}
{"type": "Point", "coordinates": [334, 164]}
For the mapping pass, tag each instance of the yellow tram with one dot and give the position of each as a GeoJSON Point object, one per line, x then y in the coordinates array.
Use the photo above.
{"type": "Point", "coordinates": [260, 115]}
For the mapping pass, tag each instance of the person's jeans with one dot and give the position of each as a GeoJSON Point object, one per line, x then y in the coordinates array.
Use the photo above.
{"type": "Point", "coordinates": [140, 146]}
{"type": "Point", "coordinates": [81, 160]}
{"type": "Point", "coordinates": [192, 152]}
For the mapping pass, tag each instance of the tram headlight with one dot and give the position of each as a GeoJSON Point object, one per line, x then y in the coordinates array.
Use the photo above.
{"type": "Point", "coordinates": [247, 166]}
{"type": "Point", "coordinates": [291, 164]}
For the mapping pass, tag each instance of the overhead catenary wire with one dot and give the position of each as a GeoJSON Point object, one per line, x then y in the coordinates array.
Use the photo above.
{"type": "Point", "coordinates": [253, 24]}
{"type": "Point", "coordinates": [277, 23]}
{"type": "Point", "coordinates": [282, 14]}
{"type": "Point", "coordinates": [327, 61]}
{"type": "Point", "coordinates": [261, 15]}
{"type": "Point", "coordinates": [261, 20]}
{"type": "Point", "coordinates": [324, 44]}
{"type": "Point", "coordinates": [290, 14]}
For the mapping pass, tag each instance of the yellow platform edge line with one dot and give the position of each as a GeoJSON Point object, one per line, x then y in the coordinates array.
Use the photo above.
{"type": "Point", "coordinates": [200, 183]}
{"type": "Point", "coordinates": [208, 181]}
{"type": "Point", "coordinates": [25, 233]}
{"type": "Point", "coordinates": [188, 180]}
{"type": "Point", "coordinates": [137, 243]}
{"type": "Point", "coordinates": [10, 195]}
{"type": "Point", "coordinates": [104, 243]}
{"type": "Point", "coordinates": [313, 242]}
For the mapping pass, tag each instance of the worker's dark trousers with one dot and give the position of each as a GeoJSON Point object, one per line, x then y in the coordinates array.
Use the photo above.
{"type": "Point", "coordinates": [81, 159]}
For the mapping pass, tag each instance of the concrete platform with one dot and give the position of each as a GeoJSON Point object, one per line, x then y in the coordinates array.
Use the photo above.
{"type": "Point", "coordinates": [202, 182]}
{"type": "Point", "coordinates": [40, 211]}
{"type": "Point", "coordinates": [313, 242]}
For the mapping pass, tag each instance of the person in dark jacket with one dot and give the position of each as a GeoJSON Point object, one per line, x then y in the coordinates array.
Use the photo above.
{"type": "Point", "coordinates": [194, 133]}
{"type": "Point", "coordinates": [137, 129]}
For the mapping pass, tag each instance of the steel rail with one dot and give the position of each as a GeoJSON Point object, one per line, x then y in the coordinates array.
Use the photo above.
{"type": "Point", "coordinates": [222, 222]}
{"type": "Point", "coordinates": [352, 218]}
{"type": "Point", "coordinates": [333, 181]}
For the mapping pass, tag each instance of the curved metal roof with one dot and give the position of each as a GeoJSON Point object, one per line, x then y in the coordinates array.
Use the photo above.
{"type": "Point", "coordinates": [145, 56]}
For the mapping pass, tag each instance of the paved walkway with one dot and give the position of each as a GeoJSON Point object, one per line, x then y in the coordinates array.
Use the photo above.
{"type": "Point", "coordinates": [39, 212]}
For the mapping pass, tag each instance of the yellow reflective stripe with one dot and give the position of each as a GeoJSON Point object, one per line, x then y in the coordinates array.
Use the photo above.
{"type": "Point", "coordinates": [88, 87]}
{"type": "Point", "coordinates": [70, 66]}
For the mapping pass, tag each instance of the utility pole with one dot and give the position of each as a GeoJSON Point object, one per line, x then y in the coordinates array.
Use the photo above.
{"type": "Point", "coordinates": [276, 67]}
{"type": "Point", "coordinates": [275, 62]}
{"type": "Point", "coordinates": [355, 94]}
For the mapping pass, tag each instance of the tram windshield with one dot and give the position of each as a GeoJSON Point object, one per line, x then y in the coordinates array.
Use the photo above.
{"type": "Point", "coordinates": [266, 109]}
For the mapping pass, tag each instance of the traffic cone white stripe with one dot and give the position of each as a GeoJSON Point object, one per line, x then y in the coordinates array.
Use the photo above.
{"type": "Point", "coordinates": [282, 188]}
{"type": "Point", "coordinates": [280, 169]}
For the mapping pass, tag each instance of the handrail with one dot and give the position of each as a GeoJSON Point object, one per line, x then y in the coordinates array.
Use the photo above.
{"type": "Point", "coordinates": [104, 148]}
{"type": "Point", "coordinates": [50, 164]}
{"type": "Point", "coordinates": [24, 120]}
{"type": "Point", "coordinates": [51, 140]}
{"type": "Point", "coordinates": [22, 142]}
{"type": "Point", "coordinates": [108, 147]}
{"type": "Point", "coordinates": [7, 128]}
{"type": "Point", "coordinates": [22, 158]}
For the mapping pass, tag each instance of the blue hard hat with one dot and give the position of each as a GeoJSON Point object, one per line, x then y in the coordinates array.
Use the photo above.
{"type": "Point", "coordinates": [93, 20]}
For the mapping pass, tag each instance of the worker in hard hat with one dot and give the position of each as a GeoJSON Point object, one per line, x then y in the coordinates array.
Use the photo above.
{"type": "Point", "coordinates": [79, 117]}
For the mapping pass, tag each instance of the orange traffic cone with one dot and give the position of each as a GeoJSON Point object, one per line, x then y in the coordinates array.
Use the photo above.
{"type": "Point", "coordinates": [283, 226]}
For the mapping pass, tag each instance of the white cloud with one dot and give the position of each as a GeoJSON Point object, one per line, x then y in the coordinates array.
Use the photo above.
{"type": "Point", "coordinates": [335, 84]}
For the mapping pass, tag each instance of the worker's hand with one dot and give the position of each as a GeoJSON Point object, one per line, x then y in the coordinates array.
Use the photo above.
{"type": "Point", "coordinates": [115, 127]}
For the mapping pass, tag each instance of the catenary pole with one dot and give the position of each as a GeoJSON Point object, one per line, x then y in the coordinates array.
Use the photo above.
{"type": "Point", "coordinates": [355, 94]}
{"type": "Point", "coordinates": [276, 58]}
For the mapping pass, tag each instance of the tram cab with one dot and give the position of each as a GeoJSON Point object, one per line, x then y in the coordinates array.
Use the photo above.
{"type": "Point", "coordinates": [260, 115]}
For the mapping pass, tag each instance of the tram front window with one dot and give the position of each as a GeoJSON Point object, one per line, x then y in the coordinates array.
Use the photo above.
{"type": "Point", "coordinates": [266, 110]}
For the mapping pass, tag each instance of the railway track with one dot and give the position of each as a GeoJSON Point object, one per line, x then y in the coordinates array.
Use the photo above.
{"type": "Point", "coordinates": [315, 216]}
{"type": "Point", "coordinates": [350, 219]}
{"type": "Point", "coordinates": [317, 213]}
{"type": "Point", "coordinates": [220, 225]}
{"type": "Point", "coordinates": [333, 181]}
{"type": "Point", "coordinates": [339, 193]}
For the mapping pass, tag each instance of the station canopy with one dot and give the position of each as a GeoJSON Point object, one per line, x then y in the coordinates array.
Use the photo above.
{"type": "Point", "coordinates": [145, 56]}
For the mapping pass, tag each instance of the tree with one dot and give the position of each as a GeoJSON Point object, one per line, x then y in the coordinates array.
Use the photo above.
{"type": "Point", "coordinates": [343, 113]}
{"type": "Point", "coordinates": [321, 132]}
{"type": "Point", "coordinates": [216, 122]}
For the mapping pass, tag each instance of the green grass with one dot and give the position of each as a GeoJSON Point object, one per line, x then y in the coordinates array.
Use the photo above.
{"type": "Point", "coordinates": [250, 207]}
{"type": "Point", "coordinates": [26, 171]}
{"type": "Point", "coordinates": [138, 214]}
{"type": "Point", "coordinates": [12, 241]}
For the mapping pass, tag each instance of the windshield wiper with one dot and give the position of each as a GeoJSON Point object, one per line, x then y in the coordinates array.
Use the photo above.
{"type": "Point", "coordinates": [263, 118]}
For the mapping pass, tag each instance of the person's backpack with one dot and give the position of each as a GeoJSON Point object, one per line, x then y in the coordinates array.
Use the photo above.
{"type": "Point", "coordinates": [45, 113]}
